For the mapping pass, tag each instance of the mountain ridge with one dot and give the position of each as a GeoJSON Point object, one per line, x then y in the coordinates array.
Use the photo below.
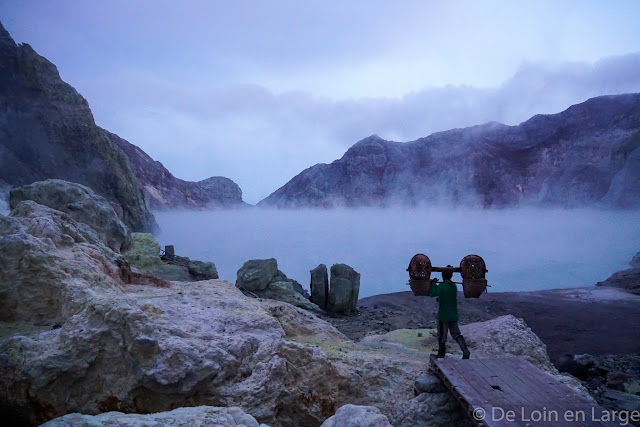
{"type": "Point", "coordinates": [165, 191]}
{"type": "Point", "coordinates": [47, 131]}
{"type": "Point", "coordinates": [586, 155]}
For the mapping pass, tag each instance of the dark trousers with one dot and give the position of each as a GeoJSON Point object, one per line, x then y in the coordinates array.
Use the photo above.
{"type": "Point", "coordinates": [444, 327]}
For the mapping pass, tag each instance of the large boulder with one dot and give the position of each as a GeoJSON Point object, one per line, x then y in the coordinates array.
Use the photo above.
{"type": "Point", "coordinates": [181, 417]}
{"type": "Point", "coordinates": [48, 131]}
{"type": "Point", "coordinates": [81, 203]}
{"type": "Point", "coordinates": [201, 270]}
{"type": "Point", "coordinates": [357, 416]}
{"type": "Point", "coordinates": [504, 335]}
{"type": "Point", "coordinates": [320, 286]}
{"type": "Point", "coordinates": [263, 279]}
{"type": "Point", "coordinates": [344, 289]}
{"type": "Point", "coordinates": [256, 274]}
{"type": "Point", "coordinates": [50, 265]}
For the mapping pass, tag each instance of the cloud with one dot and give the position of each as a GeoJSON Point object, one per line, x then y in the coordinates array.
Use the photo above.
{"type": "Point", "coordinates": [261, 139]}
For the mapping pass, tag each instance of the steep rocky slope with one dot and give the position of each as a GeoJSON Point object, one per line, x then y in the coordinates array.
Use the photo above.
{"type": "Point", "coordinates": [586, 155]}
{"type": "Point", "coordinates": [47, 131]}
{"type": "Point", "coordinates": [165, 191]}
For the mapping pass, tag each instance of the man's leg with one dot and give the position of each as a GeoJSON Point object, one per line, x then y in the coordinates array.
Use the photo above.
{"type": "Point", "coordinates": [442, 340]}
{"type": "Point", "coordinates": [456, 335]}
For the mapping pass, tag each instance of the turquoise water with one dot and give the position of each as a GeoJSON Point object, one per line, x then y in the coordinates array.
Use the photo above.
{"type": "Point", "coordinates": [523, 249]}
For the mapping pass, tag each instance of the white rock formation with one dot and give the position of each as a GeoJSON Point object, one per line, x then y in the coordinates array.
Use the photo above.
{"type": "Point", "coordinates": [357, 416]}
{"type": "Point", "coordinates": [204, 416]}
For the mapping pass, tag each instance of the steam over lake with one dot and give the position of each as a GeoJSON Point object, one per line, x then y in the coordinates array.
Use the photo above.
{"type": "Point", "coordinates": [524, 249]}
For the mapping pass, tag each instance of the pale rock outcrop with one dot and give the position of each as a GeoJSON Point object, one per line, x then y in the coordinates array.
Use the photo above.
{"type": "Point", "coordinates": [504, 335]}
{"type": "Point", "coordinates": [82, 204]}
{"type": "Point", "coordinates": [205, 416]}
{"type": "Point", "coordinates": [357, 416]}
{"type": "Point", "coordinates": [50, 265]}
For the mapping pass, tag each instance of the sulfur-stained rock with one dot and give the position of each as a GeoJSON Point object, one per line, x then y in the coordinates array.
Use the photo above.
{"type": "Point", "coordinates": [144, 252]}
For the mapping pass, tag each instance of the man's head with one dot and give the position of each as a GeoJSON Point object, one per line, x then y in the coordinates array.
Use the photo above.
{"type": "Point", "coordinates": [446, 275]}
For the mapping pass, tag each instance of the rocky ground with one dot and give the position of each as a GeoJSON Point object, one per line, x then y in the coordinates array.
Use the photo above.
{"type": "Point", "coordinates": [592, 333]}
{"type": "Point", "coordinates": [593, 320]}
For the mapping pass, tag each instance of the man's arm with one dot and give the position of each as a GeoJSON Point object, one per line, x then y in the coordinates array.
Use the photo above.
{"type": "Point", "coordinates": [433, 290]}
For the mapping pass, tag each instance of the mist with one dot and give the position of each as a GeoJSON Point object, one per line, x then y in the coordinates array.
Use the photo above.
{"type": "Point", "coordinates": [524, 250]}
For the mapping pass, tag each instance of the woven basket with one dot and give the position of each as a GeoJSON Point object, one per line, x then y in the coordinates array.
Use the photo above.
{"type": "Point", "coordinates": [473, 288]}
{"type": "Point", "coordinates": [420, 288]}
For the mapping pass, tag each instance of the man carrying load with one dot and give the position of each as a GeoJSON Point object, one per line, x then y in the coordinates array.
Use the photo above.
{"type": "Point", "coordinates": [447, 294]}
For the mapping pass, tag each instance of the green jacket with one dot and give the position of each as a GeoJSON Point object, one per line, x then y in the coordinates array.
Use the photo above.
{"type": "Point", "coordinates": [447, 294]}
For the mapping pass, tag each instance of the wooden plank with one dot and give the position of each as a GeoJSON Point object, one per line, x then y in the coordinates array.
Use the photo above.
{"type": "Point", "coordinates": [552, 390]}
{"type": "Point", "coordinates": [519, 410]}
{"type": "Point", "coordinates": [478, 392]}
{"type": "Point", "coordinates": [527, 394]}
{"type": "Point", "coordinates": [465, 393]}
{"type": "Point", "coordinates": [561, 400]}
{"type": "Point", "coordinates": [537, 401]}
{"type": "Point", "coordinates": [513, 384]}
{"type": "Point", "coordinates": [557, 393]}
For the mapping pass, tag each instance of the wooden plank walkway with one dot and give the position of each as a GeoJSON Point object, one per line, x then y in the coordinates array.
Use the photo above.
{"type": "Point", "coordinates": [513, 392]}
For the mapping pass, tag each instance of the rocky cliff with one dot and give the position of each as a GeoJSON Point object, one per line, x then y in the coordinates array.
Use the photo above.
{"type": "Point", "coordinates": [587, 155]}
{"type": "Point", "coordinates": [165, 191]}
{"type": "Point", "coordinates": [47, 131]}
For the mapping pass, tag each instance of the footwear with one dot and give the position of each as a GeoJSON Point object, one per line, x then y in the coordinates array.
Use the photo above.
{"type": "Point", "coordinates": [442, 350]}
{"type": "Point", "coordinates": [463, 346]}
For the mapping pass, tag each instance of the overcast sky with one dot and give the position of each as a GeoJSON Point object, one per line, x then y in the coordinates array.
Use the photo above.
{"type": "Point", "coordinates": [259, 90]}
